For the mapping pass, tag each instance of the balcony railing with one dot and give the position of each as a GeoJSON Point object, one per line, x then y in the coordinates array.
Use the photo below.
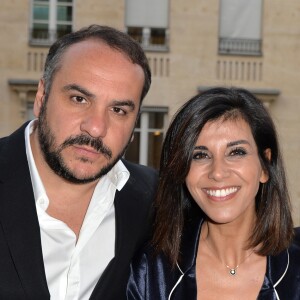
{"type": "Point", "coordinates": [233, 46]}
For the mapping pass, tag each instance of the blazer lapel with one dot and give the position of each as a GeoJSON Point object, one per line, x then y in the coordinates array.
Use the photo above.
{"type": "Point", "coordinates": [127, 205]}
{"type": "Point", "coordinates": [130, 212]}
{"type": "Point", "coordinates": [19, 218]}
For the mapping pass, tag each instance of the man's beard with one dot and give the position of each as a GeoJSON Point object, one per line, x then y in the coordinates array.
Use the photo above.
{"type": "Point", "coordinates": [54, 157]}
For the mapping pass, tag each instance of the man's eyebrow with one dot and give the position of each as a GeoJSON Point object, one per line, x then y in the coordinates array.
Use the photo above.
{"type": "Point", "coordinates": [82, 90]}
{"type": "Point", "coordinates": [128, 103]}
{"type": "Point", "coordinates": [76, 87]}
{"type": "Point", "coordinates": [238, 142]}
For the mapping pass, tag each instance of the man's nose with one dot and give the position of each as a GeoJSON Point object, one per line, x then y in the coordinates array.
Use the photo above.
{"type": "Point", "coordinates": [95, 123]}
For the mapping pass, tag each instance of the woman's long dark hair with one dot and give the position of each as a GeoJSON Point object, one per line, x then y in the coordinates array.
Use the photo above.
{"type": "Point", "coordinates": [274, 227]}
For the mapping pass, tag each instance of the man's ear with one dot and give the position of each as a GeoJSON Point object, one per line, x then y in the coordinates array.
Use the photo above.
{"type": "Point", "coordinates": [39, 98]}
{"type": "Point", "coordinates": [264, 174]}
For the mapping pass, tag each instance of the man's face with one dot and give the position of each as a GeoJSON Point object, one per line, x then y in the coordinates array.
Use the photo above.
{"type": "Point", "coordinates": [87, 120]}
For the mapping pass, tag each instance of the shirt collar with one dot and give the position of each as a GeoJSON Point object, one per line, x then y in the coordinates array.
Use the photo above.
{"type": "Point", "coordinates": [118, 175]}
{"type": "Point", "coordinates": [38, 187]}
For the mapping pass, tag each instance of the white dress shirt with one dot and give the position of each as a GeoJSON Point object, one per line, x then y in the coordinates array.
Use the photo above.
{"type": "Point", "coordinates": [73, 269]}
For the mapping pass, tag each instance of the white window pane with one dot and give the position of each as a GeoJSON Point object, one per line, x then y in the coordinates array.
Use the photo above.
{"type": "Point", "coordinates": [30, 114]}
{"type": "Point", "coordinates": [145, 13]}
{"type": "Point", "coordinates": [148, 138]}
{"type": "Point", "coordinates": [51, 20]}
{"type": "Point", "coordinates": [240, 19]}
{"type": "Point", "coordinates": [40, 12]}
{"type": "Point", "coordinates": [40, 31]}
{"type": "Point", "coordinates": [62, 30]}
{"type": "Point", "coordinates": [64, 13]}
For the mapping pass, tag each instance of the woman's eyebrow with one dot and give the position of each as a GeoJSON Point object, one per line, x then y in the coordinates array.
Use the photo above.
{"type": "Point", "coordinates": [200, 148]}
{"type": "Point", "coordinates": [238, 142]}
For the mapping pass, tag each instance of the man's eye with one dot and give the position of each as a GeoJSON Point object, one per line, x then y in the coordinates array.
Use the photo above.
{"type": "Point", "coordinates": [79, 99]}
{"type": "Point", "coordinates": [238, 152]}
{"type": "Point", "coordinates": [119, 111]}
{"type": "Point", "coordinates": [200, 155]}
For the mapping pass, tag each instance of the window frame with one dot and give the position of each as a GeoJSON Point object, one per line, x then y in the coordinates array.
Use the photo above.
{"type": "Point", "coordinates": [240, 45]}
{"type": "Point", "coordinates": [145, 129]}
{"type": "Point", "coordinates": [146, 38]}
{"type": "Point", "coordinates": [53, 22]}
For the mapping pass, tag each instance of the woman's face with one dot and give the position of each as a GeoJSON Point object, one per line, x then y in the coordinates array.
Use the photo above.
{"type": "Point", "coordinates": [225, 171]}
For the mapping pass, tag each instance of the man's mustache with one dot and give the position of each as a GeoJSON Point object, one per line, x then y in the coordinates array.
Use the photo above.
{"type": "Point", "coordinates": [96, 144]}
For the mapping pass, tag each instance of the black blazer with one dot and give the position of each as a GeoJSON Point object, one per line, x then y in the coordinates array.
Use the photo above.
{"type": "Point", "coordinates": [22, 273]}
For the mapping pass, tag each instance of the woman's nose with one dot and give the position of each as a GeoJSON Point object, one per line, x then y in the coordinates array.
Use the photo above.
{"type": "Point", "coordinates": [219, 169]}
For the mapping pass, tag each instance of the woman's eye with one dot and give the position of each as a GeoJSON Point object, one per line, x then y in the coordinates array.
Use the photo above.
{"type": "Point", "coordinates": [238, 152]}
{"type": "Point", "coordinates": [200, 155]}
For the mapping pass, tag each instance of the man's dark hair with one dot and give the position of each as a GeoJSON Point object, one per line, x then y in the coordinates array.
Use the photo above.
{"type": "Point", "coordinates": [114, 38]}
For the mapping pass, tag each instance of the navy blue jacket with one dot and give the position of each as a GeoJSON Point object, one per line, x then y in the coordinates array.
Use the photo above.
{"type": "Point", "coordinates": [152, 278]}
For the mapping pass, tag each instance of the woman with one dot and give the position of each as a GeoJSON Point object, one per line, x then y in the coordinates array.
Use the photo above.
{"type": "Point", "coordinates": [223, 226]}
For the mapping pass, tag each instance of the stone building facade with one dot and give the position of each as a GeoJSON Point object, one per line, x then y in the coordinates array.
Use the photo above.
{"type": "Point", "coordinates": [191, 46]}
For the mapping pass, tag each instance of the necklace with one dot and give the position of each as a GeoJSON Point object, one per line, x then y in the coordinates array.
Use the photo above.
{"type": "Point", "coordinates": [232, 271]}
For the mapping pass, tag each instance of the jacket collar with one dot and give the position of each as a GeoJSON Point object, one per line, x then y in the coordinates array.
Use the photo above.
{"type": "Point", "coordinates": [190, 241]}
{"type": "Point", "coordinates": [277, 265]}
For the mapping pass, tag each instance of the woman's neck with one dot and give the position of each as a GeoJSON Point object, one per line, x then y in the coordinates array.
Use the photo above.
{"type": "Point", "coordinates": [229, 243]}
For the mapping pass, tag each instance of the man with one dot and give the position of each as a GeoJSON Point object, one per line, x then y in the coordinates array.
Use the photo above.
{"type": "Point", "coordinates": [72, 212]}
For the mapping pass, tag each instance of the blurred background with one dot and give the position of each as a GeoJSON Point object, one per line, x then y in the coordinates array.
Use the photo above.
{"type": "Point", "coordinates": [191, 46]}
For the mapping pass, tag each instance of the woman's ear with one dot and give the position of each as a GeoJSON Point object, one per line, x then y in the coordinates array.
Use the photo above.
{"type": "Point", "coordinates": [268, 154]}
{"type": "Point", "coordinates": [264, 174]}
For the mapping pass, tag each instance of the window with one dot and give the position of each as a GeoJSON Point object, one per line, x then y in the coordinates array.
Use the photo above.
{"type": "Point", "coordinates": [148, 137]}
{"type": "Point", "coordinates": [29, 111]}
{"type": "Point", "coordinates": [147, 22]}
{"type": "Point", "coordinates": [240, 27]}
{"type": "Point", "coordinates": [51, 19]}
